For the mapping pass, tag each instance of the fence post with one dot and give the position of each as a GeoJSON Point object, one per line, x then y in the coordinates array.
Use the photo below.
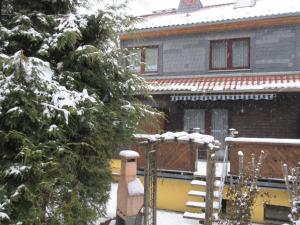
{"type": "Point", "coordinates": [210, 170]}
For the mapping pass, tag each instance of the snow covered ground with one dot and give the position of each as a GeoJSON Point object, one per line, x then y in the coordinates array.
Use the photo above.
{"type": "Point", "coordinates": [163, 217]}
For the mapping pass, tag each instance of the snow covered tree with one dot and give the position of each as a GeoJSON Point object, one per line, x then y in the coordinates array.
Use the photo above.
{"type": "Point", "coordinates": [66, 103]}
{"type": "Point", "coordinates": [242, 195]}
{"type": "Point", "coordinates": [292, 181]}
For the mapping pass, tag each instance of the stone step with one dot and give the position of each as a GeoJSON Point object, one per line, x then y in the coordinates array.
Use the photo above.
{"type": "Point", "coordinates": [203, 183]}
{"type": "Point", "coordinates": [197, 216]}
{"type": "Point", "coordinates": [201, 205]}
{"type": "Point", "coordinates": [202, 194]}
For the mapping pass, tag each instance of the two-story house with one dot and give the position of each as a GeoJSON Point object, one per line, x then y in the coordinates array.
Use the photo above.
{"type": "Point", "coordinates": [219, 66]}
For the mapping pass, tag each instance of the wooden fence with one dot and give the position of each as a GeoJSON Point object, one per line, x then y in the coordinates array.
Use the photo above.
{"type": "Point", "coordinates": [171, 156]}
{"type": "Point", "coordinates": [277, 151]}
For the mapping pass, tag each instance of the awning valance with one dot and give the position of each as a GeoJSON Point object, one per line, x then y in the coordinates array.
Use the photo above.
{"type": "Point", "coordinates": [222, 97]}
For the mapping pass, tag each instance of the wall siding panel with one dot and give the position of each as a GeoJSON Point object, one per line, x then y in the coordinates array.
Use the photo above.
{"type": "Point", "coordinates": [273, 49]}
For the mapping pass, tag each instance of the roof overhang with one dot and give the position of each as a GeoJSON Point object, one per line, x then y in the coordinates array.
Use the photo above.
{"type": "Point", "coordinates": [246, 23]}
{"type": "Point", "coordinates": [244, 83]}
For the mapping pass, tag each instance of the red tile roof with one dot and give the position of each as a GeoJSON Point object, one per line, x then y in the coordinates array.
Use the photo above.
{"type": "Point", "coordinates": [220, 84]}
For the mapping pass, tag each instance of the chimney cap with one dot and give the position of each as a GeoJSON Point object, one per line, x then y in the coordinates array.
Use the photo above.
{"type": "Point", "coordinates": [129, 154]}
{"type": "Point", "coordinates": [189, 5]}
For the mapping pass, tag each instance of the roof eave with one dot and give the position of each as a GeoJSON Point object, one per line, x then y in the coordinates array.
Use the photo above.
{"type": "Point", "coordinates": [279, 90]}
{"type": "Point", "coordinates": [242, 23]}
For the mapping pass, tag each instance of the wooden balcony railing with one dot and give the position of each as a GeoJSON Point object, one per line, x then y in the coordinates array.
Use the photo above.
{"type": "Point", "coordinates": [277, 151]}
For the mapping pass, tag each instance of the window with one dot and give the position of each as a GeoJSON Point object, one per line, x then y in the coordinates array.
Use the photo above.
{"type": "Point", "coordinates": [230, 54]}
{"type": "Point", "coordinates": [144, 60]}
{"type": "Point", "coordinates": [194, 118]}
{"type": "Point", "coordinates": [276, 214]}
{"type": "Point", "coordinates": [135, 59]}
{"type": "Point", "coordinates": [219, 125]}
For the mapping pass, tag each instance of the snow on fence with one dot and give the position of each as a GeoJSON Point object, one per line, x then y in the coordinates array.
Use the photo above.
{"type": "Point", "coordinates": [177, 150]}
{"type": "Point", "coordinates": [277, 151]}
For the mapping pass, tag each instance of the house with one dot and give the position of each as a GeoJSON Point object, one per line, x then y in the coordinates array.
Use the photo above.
{"type": "Point", "coordinates": [216, 65]}
{"type": "Point", "coordinates": [220, 66]}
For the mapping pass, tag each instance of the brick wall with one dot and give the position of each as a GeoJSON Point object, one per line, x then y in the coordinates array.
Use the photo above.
{"type": "Point", "coordinates": [279, 118]}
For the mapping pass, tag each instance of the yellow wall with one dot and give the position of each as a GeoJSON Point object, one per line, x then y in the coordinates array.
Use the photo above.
{"type": "Point", "coordinates": [115, 166]}
{"type": "Point", "coordinates": [172, 195]}
{"type": "Point", "coordinates": [277, 197]}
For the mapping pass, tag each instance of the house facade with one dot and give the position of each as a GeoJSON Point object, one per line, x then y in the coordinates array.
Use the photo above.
{"type": "Point", "coordinates": [221, 66]}
{"type": "Point", "coordinates": [215, 66]}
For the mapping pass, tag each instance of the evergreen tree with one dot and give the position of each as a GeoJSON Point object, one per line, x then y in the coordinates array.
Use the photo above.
{"type": "Point", "coordinates": [66, 103]}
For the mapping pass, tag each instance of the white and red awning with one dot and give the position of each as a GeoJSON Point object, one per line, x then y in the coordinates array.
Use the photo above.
{"type": "Point", "coordinates": [226, 84]}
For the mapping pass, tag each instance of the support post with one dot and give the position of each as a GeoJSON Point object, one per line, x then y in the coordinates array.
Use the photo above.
{"type": "Point", "coordinates": [154, 184]}
{"type": "Point", "coordinates": [147, 183]}
{"type": "Point", "coordinates": [210, 186]}
{"type": "Point", "coordinates": [150, 184]}
{"type": "Point", "coordinates": [241, 167]}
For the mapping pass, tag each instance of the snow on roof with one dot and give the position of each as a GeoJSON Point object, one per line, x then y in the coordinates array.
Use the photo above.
{"type": "Point", "coordinates": [222, 13]}
{"type": "Point", "coordinates": [135, 187]}
{"type": "Point", "coordinates": [244, 3]}
{"type": "Point", "coordinates": [236, 83]}
{"type": "Point", "coordinates": [178, 136]}
{"type": "Point", "coordinates": [264, 140]}
{"type": "Point", "coordinates": [129, 154]}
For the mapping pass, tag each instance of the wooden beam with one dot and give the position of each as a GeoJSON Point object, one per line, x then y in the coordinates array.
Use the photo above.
{"type": "Point", "coordinates": [210, 175]}
{"type": "Point", "coordinates": [203, 28]}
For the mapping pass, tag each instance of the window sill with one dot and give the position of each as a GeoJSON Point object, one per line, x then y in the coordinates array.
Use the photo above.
{"type": "Point", "coordinates": [229, 70]}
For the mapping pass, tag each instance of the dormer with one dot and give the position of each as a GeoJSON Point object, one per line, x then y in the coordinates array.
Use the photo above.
{"type": "Point", "coordinates": [244, 3]}
{"type": "Point", "coordinates": [189, 5]}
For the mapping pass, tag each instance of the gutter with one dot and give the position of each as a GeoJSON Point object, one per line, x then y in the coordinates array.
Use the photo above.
{"type": "Point", "coordinates": [257, 21]}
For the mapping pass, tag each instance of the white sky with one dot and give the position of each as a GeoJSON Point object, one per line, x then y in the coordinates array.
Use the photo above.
{"type": "Point", "coordinates": [143, 7]}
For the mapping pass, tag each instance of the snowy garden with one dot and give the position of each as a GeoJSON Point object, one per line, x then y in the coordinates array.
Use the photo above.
{"type": "Point", "coordinates": [68, 101]}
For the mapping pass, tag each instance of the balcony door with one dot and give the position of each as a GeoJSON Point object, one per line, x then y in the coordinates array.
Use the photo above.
{"type": "Point", "coordinates": [219, 125]}
{"type": "Point", "coordinates": [213, 122]}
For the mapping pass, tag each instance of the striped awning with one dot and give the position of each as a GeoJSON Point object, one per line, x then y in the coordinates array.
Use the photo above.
{"type": "Point", "coordinates": [222, 97]}
{"type": "Point", "coordinates": [283, 82]}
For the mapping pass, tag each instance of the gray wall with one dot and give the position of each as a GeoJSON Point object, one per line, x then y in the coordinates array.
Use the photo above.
{"type": "Point", "coordinates": [272, 49]}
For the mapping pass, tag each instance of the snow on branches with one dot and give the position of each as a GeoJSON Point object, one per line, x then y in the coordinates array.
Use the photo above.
{"type": "Point", "coordinates": [242, 195]}
{"type": "Point", "coordinates": [292, 182]}
{"type": "Point", "coordinates": [38, 77]}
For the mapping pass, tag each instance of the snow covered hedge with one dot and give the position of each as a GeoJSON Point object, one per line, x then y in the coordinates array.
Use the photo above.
{"type": "Point", "coordinates": [67, 101]}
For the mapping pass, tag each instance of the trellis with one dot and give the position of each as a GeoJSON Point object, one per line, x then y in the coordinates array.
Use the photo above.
{"type": "Point", "coordinates": [152, 143]}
